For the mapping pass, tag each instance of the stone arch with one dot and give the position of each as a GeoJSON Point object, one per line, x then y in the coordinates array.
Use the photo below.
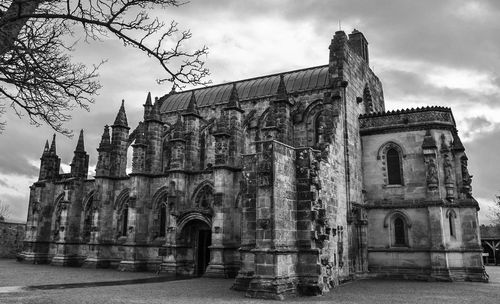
{"type": "Point", "coordinates": [161, 209]}
{"type": "Point", "coordinates": [388, 145]}
{"type": "Point", "coordinates": [194, 231]}
{"type": "Point", "coordinates": [393, 169]}
{"type": "Point", "coordinates": [261, 123]}
{"type": "Point", "coordinates": [159, 195]}
{"type": "Point", "coordinates": [398, 225]}
{"type": "Point", "coordinates": [88, 199]}
{"type": "Point", "coordinates": [312, 108]}
{"type": "Point", "coordinates": [122, 198]}
{"type": "Point", "coordinates": [313, 122]}
{"type": "Point", "coordinates": [121, 207]}
{"type": "Point", "coordinates": [87, 219]}
{"type": "Point", "coordinates": [191, 216]}
{"type": "Point", "coordinates": [200, 190]}
{"type": "Point", "coordinates": [451, 212]}
{"type": "Point", "coordinates": [394, 213]}
{"type": "Point", "coordinates": [57, 216]}
{"type": "Point", "coordinates": [263, 117]}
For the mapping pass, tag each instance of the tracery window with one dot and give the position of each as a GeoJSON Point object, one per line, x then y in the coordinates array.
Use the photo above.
{"type": "Point", "coordinates": [204, 197]}
{"type": "Point", "coordinates": [394, 172]}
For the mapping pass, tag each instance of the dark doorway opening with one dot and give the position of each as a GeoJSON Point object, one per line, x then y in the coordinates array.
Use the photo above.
{"type": "Point", "coordinates": [196, 238]}
{"type": "Point", "coordinates": [203, 252]}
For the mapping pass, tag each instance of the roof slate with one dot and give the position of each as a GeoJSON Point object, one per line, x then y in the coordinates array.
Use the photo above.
{"type": "Point", "coordinates": [261, 87]}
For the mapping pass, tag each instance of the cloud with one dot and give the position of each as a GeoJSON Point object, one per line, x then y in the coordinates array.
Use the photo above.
{"type": "Point", "coordinates": [481, 152]}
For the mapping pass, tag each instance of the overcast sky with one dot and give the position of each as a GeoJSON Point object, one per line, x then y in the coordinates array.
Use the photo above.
{"type": "Point", "coordinates": [444, 53]}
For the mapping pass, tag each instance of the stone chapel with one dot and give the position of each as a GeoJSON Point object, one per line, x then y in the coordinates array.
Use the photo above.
{"type": "Point", "coordinates": [289, 183]}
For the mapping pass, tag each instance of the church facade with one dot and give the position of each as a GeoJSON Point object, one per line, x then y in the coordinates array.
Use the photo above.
{"type": "Point", "coordinates": [289, 183]}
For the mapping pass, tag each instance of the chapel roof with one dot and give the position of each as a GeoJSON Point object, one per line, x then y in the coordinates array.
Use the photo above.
{"type": "Point", "coordinates": [313, 78]}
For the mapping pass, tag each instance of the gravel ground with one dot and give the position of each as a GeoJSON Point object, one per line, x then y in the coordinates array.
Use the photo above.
{"type": "Point", "coordinates": [217, 290]}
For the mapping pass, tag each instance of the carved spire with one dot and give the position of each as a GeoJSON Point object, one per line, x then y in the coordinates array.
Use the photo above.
{"type": "Point", "coordinates": [282, 93]}
{"type": "Point", "coordinates": [121, 117]}
{"type": "Point", "coordinates": [148, 106]}
{"type": "Point", "coordinates": [429, 141]}
{"type": "Point", "coordinates": [155, 112]}
{"type": "Point", "coordinates": [457, 143]}
{"type": "Point", "coordinates": [105, 139]}
{"type": "Point", "coordinates": [192, 108]}
{"type": "Point", "coordinates": [80, 145]}
{"type": "Point", "coordinates": [80, 162]}
{"type": "Point", "coordinates": [53, 145]}
{"type": "Point", "coordinates": [178, 128]}
{"type": "Point", "coordinates": [222, 125]}
{"type": "Point", "coordinates": [148, 100]}
{"type": "Point", "coordinates": [46, 149]}
{"type": "Point", "coordinates": [234, 100]}
{"type": "Point", "coordinates": [140, 139]}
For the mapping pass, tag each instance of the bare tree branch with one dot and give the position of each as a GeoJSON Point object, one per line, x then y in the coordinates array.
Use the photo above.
{"type": "Point", "coordinates": [4, 211]}
{"type": "Point", "coordinates": [37, 77]}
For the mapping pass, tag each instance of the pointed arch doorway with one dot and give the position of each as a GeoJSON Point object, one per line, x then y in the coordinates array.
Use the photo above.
{"type": "Point", "coordinates": [196, 236]}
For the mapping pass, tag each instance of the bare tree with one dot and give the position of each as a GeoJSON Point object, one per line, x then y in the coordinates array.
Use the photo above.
{"type": "Point", "coordinates": [494, 214]}
{"type": "Point", "coordinates": [38, 78]}
{"type": "Point", "coordinates": [4, 211]}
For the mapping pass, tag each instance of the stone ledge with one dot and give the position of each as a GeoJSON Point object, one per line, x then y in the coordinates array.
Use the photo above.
{"type": "Point", "coordinates": [394, 204]}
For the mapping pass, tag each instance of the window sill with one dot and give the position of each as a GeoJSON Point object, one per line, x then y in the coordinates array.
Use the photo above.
{"type": "Point", "coordinates": [393, 186]}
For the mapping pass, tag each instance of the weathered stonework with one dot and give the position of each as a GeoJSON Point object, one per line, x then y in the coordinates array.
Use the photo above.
{"type": "Point", "coordinates": [11, 238]}
{"type": "Point", "coordinates": [291, 183]}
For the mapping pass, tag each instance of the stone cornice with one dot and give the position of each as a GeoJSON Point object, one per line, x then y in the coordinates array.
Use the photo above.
{"type": "Point", "coordinates": [407, 120]}
{"type": "Point", "coordinates": [395, 204]}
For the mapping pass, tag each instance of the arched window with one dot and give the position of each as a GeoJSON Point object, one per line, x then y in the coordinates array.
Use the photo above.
{"type": "Point", "coordinates": [124, 216]}
{"type": "Point", "coordinates": [394, 167]}
{"type": "Point", "coordinates": [452, 226]}
{"type": "Point", "coordinates": [204, 198]}
{"type": "Point", "coordinates": [399, 232]}
{"type": "Point", "coordinates": [318, 128]}
{"type": "Point", "coordinates": [163, 219]}
{"type": "Point", "coordinates": [87, 221]}
{"type": "Point", "coordinates": [451, 215]}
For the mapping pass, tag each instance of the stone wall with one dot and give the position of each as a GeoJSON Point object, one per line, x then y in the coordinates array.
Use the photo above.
{"type": "Point", "coordinates": [11, 238]}
{"type": "Point", "coordinates": [433, 199]}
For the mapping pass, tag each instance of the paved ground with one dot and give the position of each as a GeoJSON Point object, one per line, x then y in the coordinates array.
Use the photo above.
{"type": "Point", "coordinates": [217, 290]}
